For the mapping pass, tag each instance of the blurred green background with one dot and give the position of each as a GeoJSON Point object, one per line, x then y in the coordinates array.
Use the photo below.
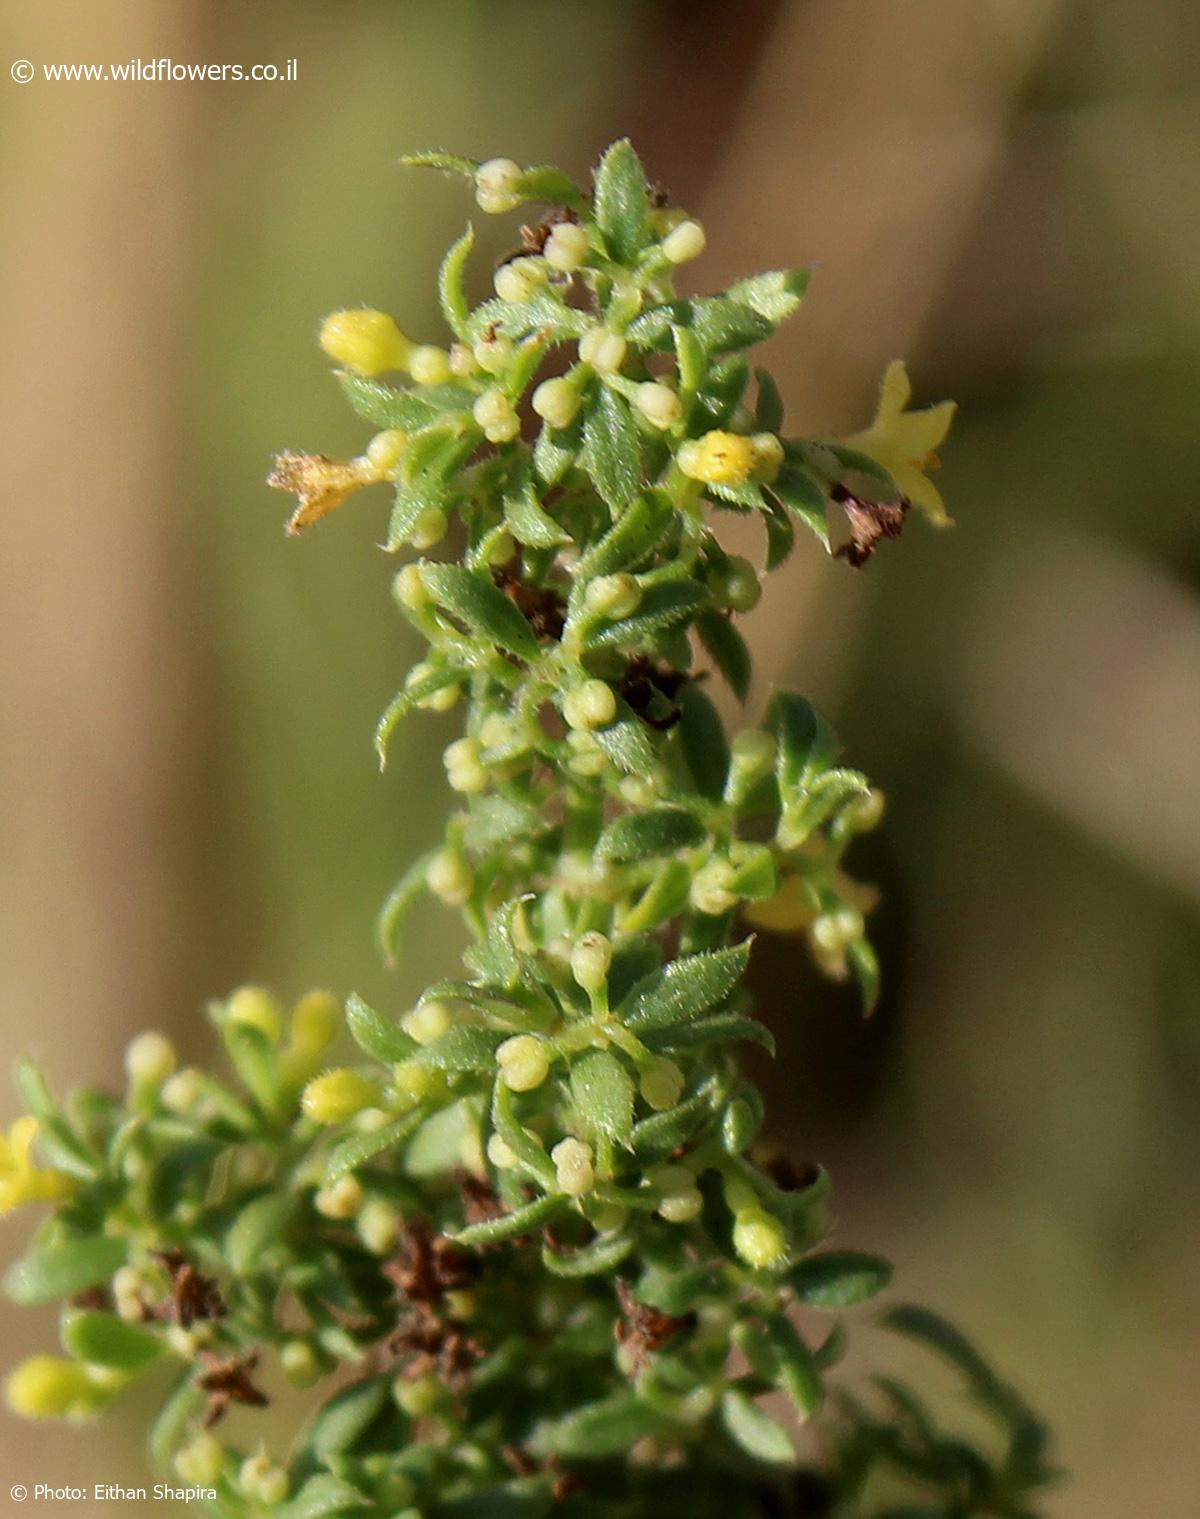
{"type": "Point", "coordinates": [1005, 191]}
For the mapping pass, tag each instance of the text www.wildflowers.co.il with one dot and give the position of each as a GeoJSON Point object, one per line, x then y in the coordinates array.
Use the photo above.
{"type": "Point", "coordinates": [156, 70]}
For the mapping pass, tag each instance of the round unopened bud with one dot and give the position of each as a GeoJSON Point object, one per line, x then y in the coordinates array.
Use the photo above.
{"type": "Point", "coordinates": [685, 243]}
{"type": "Point", "coordinates": [760, 1238]}
{"type": "Point", "coordinates": [182, 1092]}
{"type": "Point", "coordinates": [517, 280]}
{"type": "Point", "coordinates": [593, 704]}
{"type": "Point", "coordinates": [413, 1083]}
{"type": "Point", "coordinates": [409, 588]}
{"type": "Point", "coordinates": [450, 878]}
{"type": "Point", "coordinates": [378, 1225]}
{"type": "Point", "coordinates": [557, 402]}
{"type": "Point", "coordinates": [498, 185]}
{"type": "Point", "coordinates": [429, 365]}
{"type": "Point", "coordinates": [369, 342]}
{"type": "Point", "coordinates": [718, 458]}
{"type": "Point", "coordinates": [768, 455]}
{"type": "Point", "coordinates": [587, 758]}
{"type": "Point", "coordinates": [300, 1362]}
{"type": "Point", "coordinates": [263, 1480]}
{"type": "Point", "coordinates": [567, 248]}
{"type": "Point", "coordinates": [710, 890]}
{"type": "Point", "coordinates": [51, 1387]}
{"type": "Point", "coordinates": [461, 1304]}
{"type": "Point", "coordinates": [316, 1022]}
{"type": "Point", "coordinates": [500, 1153]}
{"type": "Point", "coordinates": [613, 596]}
{"type": "Point", "coordinates": [661, 1084]}
{"type": "Point", "coordinates": [256, 1008]}
{"type": "Point", "coordinates": [523, 1062]}
{"type": "Point", "coordinates": [865, 812]}
{"type": "Point", "coordinates": [429, 528]}
{"type": "Point", "coordinates": [736, 585]}
{"type": "Point", "coordinates": [497, 416]}
{"type": "Point", "coordinates": [341, 1199]}
{"type": "Point", "coordinates": [462, 361]}
{"type": "Point", "coordinates": [681, 1207]}
{"type": "Point", "coordinates": [129, 1287]}
{"type": "Point", "coordinates": [150, 1059]}
{"type": "Point", "coordinates": [464, 770]}
{"type": "Point", "coordinates": [386, 449]}
{"type": "Point", "coordinates": [602, 349]}
{"type": "Point", "coordinates": [576, 1174]}
{"type": "Point", "coordinates": [417, 1396]}
{"type": "Point", "coordinates": [591, 957]}
{"type": "Point", "coordinates": [201, 1461]}
{"type": "Point", "coordinates": [833, 931]}
{"type": "Point", "coordinates": [338, 1095]}
{"type": "Point", "coordinates": [428, 1021]}
{"type": "Point", "coordinates": [658, 403]}
{"type": "Point", "coordinates": [494, 354]}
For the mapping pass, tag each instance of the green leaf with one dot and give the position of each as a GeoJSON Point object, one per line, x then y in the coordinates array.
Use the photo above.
{"type": "Point", "coordinates": [401, 897]}
{"type": "Point", "coordinates": [661, 1134]}
{"type": "Point", "coordinates": [455, 307]}
{"type": "Point", "coordinates": [528, 1150]}
{"type": "Point", "coordinates": [439, 158]}
{"type": "Point", "coordinates": [406, 700]}
{"type": "Point", "coordinates": [768, 409]}
{"type": "Point", "coordinates": [620, 202]}
{"type": "Point", "coordinates": [322, 1495]}
{"type": "Point", "coordinates": [546, 183]}
{"type": "Point", "coordinates": [685, 988]}
{"type": "Point", "coordinates": [666, 896]}
{"type": "Point", "coordinates": [410, 505]}
{"type": "Point", "coordinates": [389, 406]}
{"type": "Point", "coordinates": [755, 1431]}
{"type": "Point", "coordinates": [356, 1149]}
{"type": "Point", "coordinates": [526, 519]}
{"type": "Point", "coordinates": [461, 1049]}
{"type": "Point", "coordinates": [722, 323]}
{"type": "Point", "coordinates": [256, 1061]}
{"type": "Point", "coordinates": [666, 604]}
{"type": "Point", "coordinates": [483, 608]}
{"type": "Point", "coordinates": [838, 1278]}
{"type": "Point", "coordinates": [657, 831]}
{"type": "Point", "coordinates": [541, 313]}
{"type": "Point", "coordinates": [774, 295]}
{"type": "Point", "coordinates": [727, 649]}
{"type": "Point", "coordinates": [520, 1221]}
{"type": "Point", "coordinates": [690, 357]}
{"type": "Point", "coordinates": [801, 494]}
{"type": "Point", "coordinates": [705, 747]}
{"type": "Point", "coordinates": [260, 1228]}
{"type": "Point", "coordinates": [806, 743]}
{"type": "Point", "coordinates": [610, 448]}
{"type": "Point", "coordinates": [36, 1094]}
{"type": "Point", "coordinates": [376, 1034]}
{"type": "Point", "coordinates": [555, 450]}
{"type": "Point", "coordinates": [676, 1290]}
{"type": "Point", "coordinates": [722, 391]}
{"type": "Point", "coordinates": [609, 1427]}
{"type": "Point", "coordinates": [721, 1029]}
{"type": "Point", "coordinates": [799, 1374]}
{"type": "Point", "coordinates": [781, 534]}
{"type": "Point", "coordinates": [178, 1412]}
{"type": "Point", "coordinates": [864, 966]}
{"type": "Point", "coordinates": [347, 1416]}
{"type": "Point", "coordinates": [627, 744]}
{"type": "Point", "coordinates": [603, 1092]}
{"type": "Point", "coordinates": [599, 1257]}
{"type": "Point", "coordinates": [102, 1339]}
{"type": "Point", "coordinates": [638, 530]}
{"type": "Point", "coordinates": [63, 1267]}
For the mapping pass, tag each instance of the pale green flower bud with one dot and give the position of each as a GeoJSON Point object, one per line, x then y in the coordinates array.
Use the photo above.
{"type": "Point", "coordinates": [378, 1225]}
{"type": "Point", "coordinates": [450, 878]}
{"type": "Point", "coordinates": [341, 1199]}
{"type": "Point", "coordinates": [464, 770]}
{"type": "Point", "coordinates": [494, 354]}
{"type": "Point", "coordinates": [428, 1021]}
{"type": "Point", "coordinates": [300, 1362]}
{"type": "Point", "coordinates": [417, 1396]}
{"type": "Point", "coordinates": [573, 1165]}
{"type": "Point", "coordinates": [587, 757]}
{"type": "Point", "coordinates": [661, 1084]}
{"type": "Point", "coordinates": [316, 1022]}
{"type": "Point", "coordinates": [523, 1062]}
{"type": "Point", "coordinates": [262, 1480]}
{"type": "Point", "coordinates": [591, 957]}
{"type": "Point", "coordinates": [338, 1095]}
{"type": "Point", "coordinates": [462, 361]}
{"type": "Point", "coordinates": [710, 890]}
{"type": "Point", "coordinates": [429, 528]}
{"type": "Point", "coordinates": [497, 185]}
{"type": "Point", "coordinates": [567, 248]}
{"type": "Point", "coordinates": [201, 1461]}
{"type": "Point", "coordinates": [685, 243]}
{"type": "Point", "coordinates": [150, 1059]}
{"type": "Point", "coordinates": [497, 416]}
{"type": "Point", "coordinates": [256, 1008]}
{"type": "Point", "coordinates": [760, 1239]}
{"type": "Point", "coordinates": [429, 365]}
{"type": "Point", "coordinates": [602, 349]}
{"type": "Point", "coordinates": [836, 930]}
{"type": "Point", "coordinates": [557, 401]}
{"type": "Point", "coordinates": [409, 588]}
{"type": "Point", "coordinates": [736, 585]}
{"type": "Point", "coordinates": [386, 449]}
{"type": "Point", "coordinates": [593, 704]}
{"type": "Point", "coordinates": [369, 342]}
{"type": "Point", "coordinates": [659, 404]}
{"type": "Point", "coordinates": [613, 596]}
{"type": "Point", "coordinates": [500, 1153]}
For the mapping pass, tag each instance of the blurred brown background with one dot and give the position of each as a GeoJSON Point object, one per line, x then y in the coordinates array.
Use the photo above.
{"type": "Point", "coordinates": [1006, 191]}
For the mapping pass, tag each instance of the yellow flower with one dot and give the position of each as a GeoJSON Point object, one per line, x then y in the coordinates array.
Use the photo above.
{"type": "Point", "coordinates": [718, 458]}
{"type": "Point", "coordinates": [905, 443]}
{"type": "Point", "coordinates": [20, 1181]}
